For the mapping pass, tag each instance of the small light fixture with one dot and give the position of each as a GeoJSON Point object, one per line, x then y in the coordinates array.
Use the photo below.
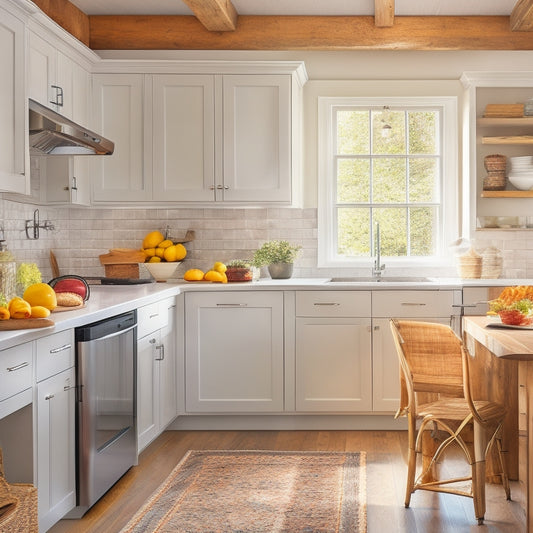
{"type": "Point", "coordinates": [386, 128]}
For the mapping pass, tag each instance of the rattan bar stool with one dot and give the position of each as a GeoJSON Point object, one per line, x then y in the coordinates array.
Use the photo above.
{"type": "Point", "coordinates": [18, 506]}
{"type": "Point", "coordinates": [436, 396]}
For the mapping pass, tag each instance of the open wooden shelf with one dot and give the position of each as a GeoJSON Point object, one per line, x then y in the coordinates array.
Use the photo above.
{"type": "Point", "coordinates": [508, 139]}
{"type": "Point", "coordinates": [507, 194]}
{"type": "Point", "coordinates": [507, 121]}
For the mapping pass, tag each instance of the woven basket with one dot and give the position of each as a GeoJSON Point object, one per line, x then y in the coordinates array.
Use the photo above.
{"type": "Point", "coordinates": [495, 162]}
{"type": "Point", "coordinates": [495, 181]}
{"type": "Point", "coordinates": [18, 506]}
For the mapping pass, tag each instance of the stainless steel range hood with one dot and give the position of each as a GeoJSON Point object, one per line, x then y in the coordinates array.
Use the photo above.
{"type": "Point", "coordinates": [53, 134]}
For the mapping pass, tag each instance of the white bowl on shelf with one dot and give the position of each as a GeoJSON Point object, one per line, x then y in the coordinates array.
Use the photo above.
{"type": "Point", "coordinates": [522, 180]}
{"type": "Point", "coordinates": [162, 271]}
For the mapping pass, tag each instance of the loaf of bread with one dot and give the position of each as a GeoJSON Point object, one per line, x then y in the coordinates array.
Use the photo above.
{"type": "Point", "coordinates": [69, 299]}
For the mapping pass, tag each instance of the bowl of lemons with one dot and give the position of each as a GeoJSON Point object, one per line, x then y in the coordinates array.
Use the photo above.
{"type": "Point", "coordinates": [162, 255]}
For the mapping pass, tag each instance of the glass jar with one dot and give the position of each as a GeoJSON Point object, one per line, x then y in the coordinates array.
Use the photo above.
{"type": "Point", "coordinates": [8, 272]}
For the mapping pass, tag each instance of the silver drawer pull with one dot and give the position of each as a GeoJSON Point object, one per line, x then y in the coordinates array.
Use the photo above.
{"type": "Point", "coordinates": [232, 305]}
{"type": "Point", "coordinates": [49, 396]}
{"type": "Point", "coordinates": [154, 316]}
{"type": "Point", "coordinates": [327, 303]}
{"type": "Point", "coordinates": [61, 348]}
{"type": "Point", "coordinates": [418, 304]}
{"type": "Point", "coordinates": [17, 367]}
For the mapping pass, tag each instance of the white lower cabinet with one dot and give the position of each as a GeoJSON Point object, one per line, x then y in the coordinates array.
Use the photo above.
{"type": "Point", "coordinates": [157, 387]}
{"type": "Point", "coordinates": [425, 306]}
{"type": "Point", "coordinates": [234, 351]}
{"type": "Point", "coordinates": [333, 351]}
{"type": "Point", "coordinates": [55, 416]}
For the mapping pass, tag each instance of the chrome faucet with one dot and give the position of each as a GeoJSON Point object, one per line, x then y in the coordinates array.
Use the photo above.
{"type": "Point", "coordinates": [378, 268]}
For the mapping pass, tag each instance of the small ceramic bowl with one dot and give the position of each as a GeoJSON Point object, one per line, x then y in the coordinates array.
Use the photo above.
{"type": "Point", "coordinates": [162, 271]}
{"type": "Point", "coordinates": [522, 181]}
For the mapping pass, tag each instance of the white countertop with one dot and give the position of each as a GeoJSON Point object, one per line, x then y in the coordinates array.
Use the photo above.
{"type": "Point", "coordinates": [109, 300]}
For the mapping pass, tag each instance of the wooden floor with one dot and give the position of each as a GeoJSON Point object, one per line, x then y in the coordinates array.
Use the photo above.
{"type": "Point", "coordinates": [386, 472]}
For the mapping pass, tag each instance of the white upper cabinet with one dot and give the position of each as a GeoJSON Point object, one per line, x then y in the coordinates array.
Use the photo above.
{"type": "Point", "coordinates": [221, 132]}
{"type": "Point", "coordinates": [184, 137]}
{"type": "Point", "coordinates": [118, 114]}
{"type": "Point", "coordinates": [14, 159]}
{"type": "Point", "coordinates": [256, 139]}
{"type": "Point", "coordinates": [62, 84]}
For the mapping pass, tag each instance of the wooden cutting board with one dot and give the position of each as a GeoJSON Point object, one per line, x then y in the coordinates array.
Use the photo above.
{"type": "Point", "coordinates": [120, 256]}
{"type": "Point", "coordinates": [25, 323]}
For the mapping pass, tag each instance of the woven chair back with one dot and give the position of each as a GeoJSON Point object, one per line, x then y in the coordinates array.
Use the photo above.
{"type": "Point", "coordinates": [432, 356]}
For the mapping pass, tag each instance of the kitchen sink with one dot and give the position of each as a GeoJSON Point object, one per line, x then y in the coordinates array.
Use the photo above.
{"type": "Point", "coordinates": [383, 279]}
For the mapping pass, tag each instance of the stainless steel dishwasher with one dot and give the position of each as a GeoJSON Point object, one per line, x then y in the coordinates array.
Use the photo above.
{"type": "Point", "coordinates": [106, 437]}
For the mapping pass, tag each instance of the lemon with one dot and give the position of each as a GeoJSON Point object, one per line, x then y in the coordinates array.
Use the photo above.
{"type": "Point", "coordinates": [159, 252]}
{"type": "Point", "coordinates": [154, 259]}
{"type": "Point", "coordinates": [176, 252]}
{"type": "Point", "coordinates": [149, 252]}
{"type": "Point", "coordinates": [220, 267]}
{"type": "Point", "coordinates": [193, 274]}
{"type": "Point", "coordinates": [213, 275]}
{"type": "Point", "coordinates": [165, 244]}
{"type": "Point", "coordinates": [153, 239]}
{"type": "Point", "coordinates": [41, 294]}
{"type": "Point", "coordinates": [38, 311]}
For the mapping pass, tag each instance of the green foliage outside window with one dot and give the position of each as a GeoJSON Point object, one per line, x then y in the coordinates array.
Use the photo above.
{"type": "Point", "coordinates": [392, 180]}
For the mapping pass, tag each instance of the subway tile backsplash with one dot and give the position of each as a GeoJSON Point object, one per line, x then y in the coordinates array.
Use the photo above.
{"type": "Point", "coordinates": [221, 234]}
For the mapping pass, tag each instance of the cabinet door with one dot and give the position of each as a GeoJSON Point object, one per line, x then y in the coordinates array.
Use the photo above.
{"type": "Point", "coordinates": [256, 139]}
{"type": "Point", "coordinates": [333, 364]}
{"type": "Point", "coordinates": [67, 180]}
{"type": "Point", "coordinates": [42, 69]}
{"type": "Point", "coordinates": [56, 482]}
{"type": "Point", "coordinates": [184, 137]}
{"type": "Point", "coordinates": [118, 114]}
{"type": "Point", "coordinates": [234, 352]}
{"type": "Point", "coordinates": [386, 368]}
{"type": "Point", "coordinates": [166, 360]}
{"type": "Point", "coordinates": [14, 162]}
{"type": "Point", "coordinates": [147, 389]}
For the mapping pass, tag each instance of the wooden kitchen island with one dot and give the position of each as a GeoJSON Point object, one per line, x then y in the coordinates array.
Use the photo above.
{"type": "Point", "coordinates": [503, 370]}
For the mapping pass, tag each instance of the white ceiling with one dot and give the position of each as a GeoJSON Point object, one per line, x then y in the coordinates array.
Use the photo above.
{"type": "Point", "coordinates": [302, 7]}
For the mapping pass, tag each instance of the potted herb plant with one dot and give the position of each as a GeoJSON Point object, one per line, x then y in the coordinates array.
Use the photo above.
{"type": "Point", "coordinates": [239, 270]}
{"type": "Point", "coordinates": [278, 256]}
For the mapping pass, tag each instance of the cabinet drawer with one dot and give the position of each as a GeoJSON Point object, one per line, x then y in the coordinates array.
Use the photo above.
{"type": "Point", "coordinates": [15, 370]}
{"type": "Point", "coordinates": [412, 304]}
{"type": "Point", "coordinates": [55, 353]}
{"type": "Point", "coordinates": [151, 317]}
{"type": "Point", "coordinates": [333, 303]}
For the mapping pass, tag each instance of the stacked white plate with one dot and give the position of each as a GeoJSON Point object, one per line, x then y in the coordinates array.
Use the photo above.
{"type": "Point", "coordinates": [521, 172]}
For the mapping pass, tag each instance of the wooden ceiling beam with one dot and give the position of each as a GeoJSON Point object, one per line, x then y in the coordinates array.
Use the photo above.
{"type": "Point", "coordinates": [384, 13]}
{"type": "Point", "coordinates": [307, 33]}
{"type": "Point", "coordinates": [215, 15]}
{"type": "Point", "coordinates": [68, 16]}
{"type": "Point", "coordinates": [522, 16]}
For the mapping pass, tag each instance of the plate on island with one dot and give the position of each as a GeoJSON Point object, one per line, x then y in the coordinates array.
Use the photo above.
{"type": "Point", "coordinates": [496, 322]}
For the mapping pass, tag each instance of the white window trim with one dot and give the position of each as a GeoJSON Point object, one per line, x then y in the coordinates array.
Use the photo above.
{"type": "Point", "coordinates": [326, 189]}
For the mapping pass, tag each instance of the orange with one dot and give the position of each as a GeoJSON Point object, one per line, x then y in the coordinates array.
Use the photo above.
{"type": "Point", "coordinates": [154, 259]}
{"type": "Point", "coordinates": [149, 252]}
{"type": "Point", "coordinates": [193, 274]}
{"type": "Point", "coordinates": [165, 244]}
{"type": "Point", "coordinates": [159, 252]}
{"type": "Point", "coordinates": [41, 294]}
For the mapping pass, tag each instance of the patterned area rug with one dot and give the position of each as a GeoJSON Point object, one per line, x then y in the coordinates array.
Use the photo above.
{"type": "Point", "coordinates": [259, 492]}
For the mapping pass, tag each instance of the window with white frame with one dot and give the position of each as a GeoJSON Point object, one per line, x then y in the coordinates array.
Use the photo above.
{"type": "Point", "coordinates": [391, 162]}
